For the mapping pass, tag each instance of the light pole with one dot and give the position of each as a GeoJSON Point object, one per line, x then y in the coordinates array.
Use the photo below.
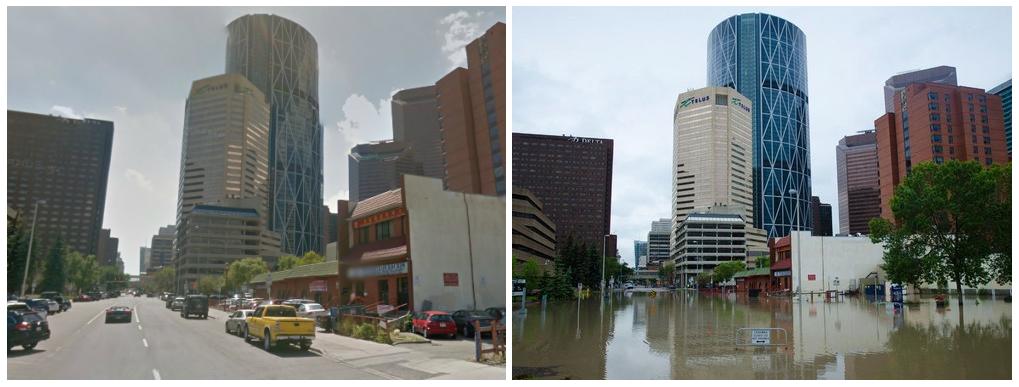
{"type": "Point", "coordinates": [31, 238]}
{"type": "Point", "coordinates": [603, 252]}
{"type": "Point", "coordinates": [799, 273]}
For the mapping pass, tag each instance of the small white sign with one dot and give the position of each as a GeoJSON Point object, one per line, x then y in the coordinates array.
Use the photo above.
{"type": "Point", "coordinates": [760, 336]}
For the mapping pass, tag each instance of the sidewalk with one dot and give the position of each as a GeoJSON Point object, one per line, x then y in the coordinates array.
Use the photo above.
{"type": "Point", "coordinates": [449, 359]}
{"type": "Point", "coordinates": [440, 359]}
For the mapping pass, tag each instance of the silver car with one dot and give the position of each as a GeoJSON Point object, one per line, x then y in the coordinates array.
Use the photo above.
{"type": "Point", "coordinates": [237, 321]}
{"type": "Point", "coordinates": [178, 303]}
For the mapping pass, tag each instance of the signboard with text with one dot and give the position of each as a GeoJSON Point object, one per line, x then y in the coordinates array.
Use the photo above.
{"type": "Point", "coordinates": [378, 270]}
{"type": "Point", "coordinates": [317, 286]}
{"type": "Point", "coordinates": [760, 336]}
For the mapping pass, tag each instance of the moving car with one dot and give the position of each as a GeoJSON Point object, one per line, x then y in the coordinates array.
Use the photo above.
{"type": "Point", "coordinates": [169, 300]}
{"type": "Point", "coordinates": [83, 298]}
{"type": "Point", "coordinates": [118, 313]}
{"type": "Point", "coordinates": [195, 304]}
{"type": "Point", "coordinates": [465, 321]}
{"type": "Point", "coordinates": [236, 323]}
{"type": "Point", "coordinates": [434, 322]}
{"type": "Point", "coordinates": [177, 303]}
{"type": "Point", "coordinates": [26, 328]}
{"type": "Point", "coordinates": [274, 324]}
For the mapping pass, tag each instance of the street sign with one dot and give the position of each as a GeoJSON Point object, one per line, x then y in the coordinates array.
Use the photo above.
{"type": "Point", "coordinates": [318, 286]}
{"type": "Point", "coordinates": [760, 336]}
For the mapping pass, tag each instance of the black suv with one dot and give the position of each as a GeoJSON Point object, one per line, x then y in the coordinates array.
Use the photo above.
{"type": "Point", "coordinates": [195, 304]}
{"type": "Point", "coordinates": [26, 329]}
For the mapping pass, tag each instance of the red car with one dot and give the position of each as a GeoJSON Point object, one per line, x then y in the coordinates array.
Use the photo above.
{"type": "Point", "coordinates": [83, 298]}
{"type": "Point", "coordinates": [434, 323]}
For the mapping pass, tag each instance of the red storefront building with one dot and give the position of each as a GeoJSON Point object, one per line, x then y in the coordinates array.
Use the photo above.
{"type": "Point", "coordinates": [375, 266]}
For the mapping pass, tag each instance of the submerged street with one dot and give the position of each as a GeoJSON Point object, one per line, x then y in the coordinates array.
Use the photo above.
{"type": "Point", "coordinates": [687, 335]}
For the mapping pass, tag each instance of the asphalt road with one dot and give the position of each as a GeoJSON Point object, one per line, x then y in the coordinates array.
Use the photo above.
{"type": "Point", "coordinates": [159, 344]}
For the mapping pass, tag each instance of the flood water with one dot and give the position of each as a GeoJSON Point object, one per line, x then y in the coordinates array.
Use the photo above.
{"type": "Point", "coordinates": [687, 335]}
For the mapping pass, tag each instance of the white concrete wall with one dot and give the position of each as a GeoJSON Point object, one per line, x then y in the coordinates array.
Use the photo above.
{"type": "Point", "coordinates": [439, 244]}
{"type": "Point", "coordinates": [831, 258]}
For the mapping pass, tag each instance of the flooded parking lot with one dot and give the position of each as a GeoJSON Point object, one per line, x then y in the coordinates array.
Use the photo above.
{"type": "Point", "coordinates": [687, 335]}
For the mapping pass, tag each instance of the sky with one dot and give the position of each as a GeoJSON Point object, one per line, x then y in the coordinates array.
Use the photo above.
{"type": "Point", "coordinates": [134, 66]}
{"type": "Point", "coordinates": [616, 72]}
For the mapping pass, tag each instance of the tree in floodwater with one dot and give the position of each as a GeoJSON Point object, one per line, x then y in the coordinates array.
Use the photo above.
{"type": "Point", "coordinates": [951, 220]}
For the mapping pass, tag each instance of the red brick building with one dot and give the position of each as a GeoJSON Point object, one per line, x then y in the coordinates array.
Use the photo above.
{"type": "Point", "coordinates": [316, 281]}
{"type": "Point", "coordinates": [937, 122]}
{"type": "Point", "coordinates": [374, 258]}
{"type": "Point", "coordinates": [781, 264]}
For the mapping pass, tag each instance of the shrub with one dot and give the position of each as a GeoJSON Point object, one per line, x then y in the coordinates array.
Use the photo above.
{"type": "Point", "coordinates": [365, 331]}
{"type": "Point", "coordinates": [382, 336]}
{"type": "Point", "coordinates": [346, 327]}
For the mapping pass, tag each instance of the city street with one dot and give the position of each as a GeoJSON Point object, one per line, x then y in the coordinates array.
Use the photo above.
{"type": "Point", "coordinates": [159, 344]}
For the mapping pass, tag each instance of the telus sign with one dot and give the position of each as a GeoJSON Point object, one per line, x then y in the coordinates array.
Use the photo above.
{"type": "Point", "coordinates": [739, 103]}
{"type": "Point", "coordinates": [693, 100]}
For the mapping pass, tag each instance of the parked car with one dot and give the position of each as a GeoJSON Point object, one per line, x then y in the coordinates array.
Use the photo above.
{"type": "Point", "coordinates": [274, 324]}
{"type": "Point", "coordinates": [64, 302]}
{"type": "Point", "coordinates": [629, 285]}
{"type": "Point", "coordinates": [82, 298]}
{"type": "Point", "coordinates": [434, 322]}
{"type": "Point", "coordinates": [96, 296]}
{"type": "Point", "coordinates": [18, 306]}
{"type": "Point", "coordinates": [497, 313]}
{"type": "Point", "coordinates": [118, 313]}
{"type": "Point", "coordinates": [177, 303]}
{"type": "Point", "coordinates": [195, 304]}
{"type": "Point", "coordinates": [312, 310]}
{"type": "Point", "coordinates": [54, 307]}
{"type": "Point", "coordinates": [169, 300]}
{"type": "Point", "coordinates": [26, 328]}
{"type": "Point", "coordinates": [40, 305]}
{"type": "Point", "coordinates": [295, 302]}
{"type": "Point", "coordinates": [236, 323]}
{"type": "Point", "coordinates": [465, 321]}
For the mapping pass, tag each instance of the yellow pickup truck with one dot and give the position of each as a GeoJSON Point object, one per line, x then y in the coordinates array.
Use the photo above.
{"type": "Point", "coordinates": [275, 324]}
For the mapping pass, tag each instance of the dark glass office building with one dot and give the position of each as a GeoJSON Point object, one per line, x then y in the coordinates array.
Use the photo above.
{"type": "Point", "coordinates": [572, 176]}
{"type": "Point", "coordinates": [765, 58]}
{"type": "Point", "coordinates": [66, 163]}
{"type": "Point", "coordinates": [281, 58]}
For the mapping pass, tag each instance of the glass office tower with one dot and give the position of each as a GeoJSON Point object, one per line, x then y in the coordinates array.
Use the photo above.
{"type": "Point", "coordinates": [281, 58]}
{"type": "Point", "coordinates": [764, 58]}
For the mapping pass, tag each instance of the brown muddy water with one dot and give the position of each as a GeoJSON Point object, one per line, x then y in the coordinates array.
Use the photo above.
{"type": "Point", "coordinates": [687, 335]}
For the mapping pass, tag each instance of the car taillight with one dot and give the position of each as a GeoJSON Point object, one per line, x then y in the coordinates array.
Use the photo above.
{"type": "Point", "coordinates": [23, 326]}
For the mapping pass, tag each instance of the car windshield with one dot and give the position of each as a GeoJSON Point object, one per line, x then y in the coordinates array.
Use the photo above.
{"type": "Point", "coordinates": [440, 317]}
{"type": "Point", "coordinates": [281, 312]}
{"type": "Point", "coordinates": [31, 317]}
{"type": "Point", "coordinates": [478, 314]}
{"type": "Point", "coordinates": [313, 307]}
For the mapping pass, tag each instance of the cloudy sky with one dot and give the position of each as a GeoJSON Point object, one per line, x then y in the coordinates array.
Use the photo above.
{"type": "Point", "coordinates": [615, 73]}
{"type": "Point", "coordinates": [134, 66]}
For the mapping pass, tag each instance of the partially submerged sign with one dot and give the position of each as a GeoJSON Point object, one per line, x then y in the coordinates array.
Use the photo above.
{"type": "Point", "coordinates": [760, 336]}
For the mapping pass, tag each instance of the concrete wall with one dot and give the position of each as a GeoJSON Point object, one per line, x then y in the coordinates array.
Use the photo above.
{"type": "Point", "coordinates": [439, 244]}
{"type": "Point", "coordinates": [830, 258]}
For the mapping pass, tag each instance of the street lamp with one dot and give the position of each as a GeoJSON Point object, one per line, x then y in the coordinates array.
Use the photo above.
{"type": "Point", "coordinates": [603, 252]}
{"type": "Point", "coordinates": [799, 259]}
{"type": "Point", "coordinates": [31, 238]}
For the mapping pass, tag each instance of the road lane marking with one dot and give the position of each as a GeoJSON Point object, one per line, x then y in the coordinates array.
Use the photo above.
{"type": "Point", "coordinates": [139, 327]}
{"type": "Point", "coordinates": [155, 374]}
{"type": "Point", "coordinates": [94, 318]}
{"type": "Point", "coordinates": [145, 343]}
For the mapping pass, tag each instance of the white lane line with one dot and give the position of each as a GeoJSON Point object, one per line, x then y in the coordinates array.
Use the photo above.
{"type": "Point", "coordinates": [139, 327]}
{"type": "Point", "coordinates": [94, 318]}
{"type": "Point", "coordinates": [136, 316]}
{"type": "Point", "coordinates": [155, 374]}
{"type": "Point", "coordinates": [145, 343]}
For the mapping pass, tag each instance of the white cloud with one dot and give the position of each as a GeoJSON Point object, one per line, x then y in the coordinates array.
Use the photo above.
{"type": "Point", "coordinates": [65, 112]}
{"type": "Point", "coordinates": [341, 195]}
{"type": "Point", "coordinates": [139, 179]}
{"type": "Point", "coordinates": [460, 28]}
{"type": "Point", "coordinates": [121, 109]}
{"type": "Point", "coordinates": [365, 121]}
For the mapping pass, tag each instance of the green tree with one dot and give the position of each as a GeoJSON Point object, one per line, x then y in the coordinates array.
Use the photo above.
{"type": "Point", "coordinates": [82, 271]}
{"type": "Point", "coordinates": [726, 270]}
{"type": "Point", "coordinates": [240, 272]}
{"type": "Point", "coordinates": [164, 280]}
{"type": "Point", "coordinates": [17, 251]}
{"type": "Point", "coordinates": [667, 272]}
{"type": "Point", "coordinates": [288, 262]}
{"type": "Point", "coordinates": [54, 275]}
{"type": "Point", "coordinates": [704, 279]}
{"type": "Point", "coordinates": [112, 279]}
{"type": "Point", "coordinates": [532, 274]}
{"type": "Point", "coordinates": [210, 284]}
{"type": "Point", "coordinates": [949, 225]}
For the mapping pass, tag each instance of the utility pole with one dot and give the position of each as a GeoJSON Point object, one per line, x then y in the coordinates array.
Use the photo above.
{"type": "Point", "coordinates": [31, 238]}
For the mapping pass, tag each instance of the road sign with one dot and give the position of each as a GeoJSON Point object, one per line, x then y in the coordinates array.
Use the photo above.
{"type": "Point", "coordinates": [760, 336]}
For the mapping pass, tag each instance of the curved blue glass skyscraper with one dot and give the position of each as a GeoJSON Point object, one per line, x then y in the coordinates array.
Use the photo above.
{"type": "Point", "coordinates": [281, 58]}
{"type": "Point", "coordinates": [765, 58]}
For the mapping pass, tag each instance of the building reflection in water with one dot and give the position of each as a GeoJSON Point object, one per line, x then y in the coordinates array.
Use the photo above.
{"type": "Point", "coordinates": [686, 335]}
